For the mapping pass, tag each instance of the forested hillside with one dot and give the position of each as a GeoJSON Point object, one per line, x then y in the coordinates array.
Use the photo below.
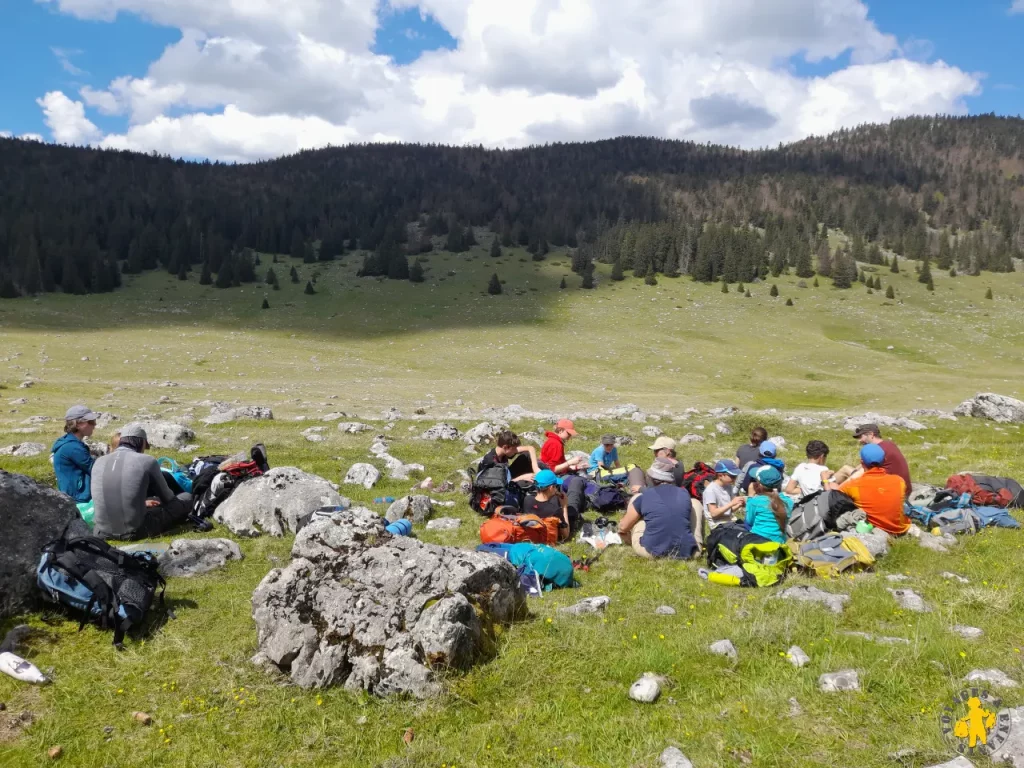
{"type": "Point", "coordinates": [75, 219]}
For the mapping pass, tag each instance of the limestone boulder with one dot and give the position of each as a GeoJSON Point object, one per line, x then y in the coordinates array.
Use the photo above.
{"type": "Point", "coordinates": [191, 557]}
{"type": "Point", "coordinates": [166, 434]}
{"type": "Point", "coordinates": [281, 501]}
{"type": "Point", "coordinates": [988, 405]}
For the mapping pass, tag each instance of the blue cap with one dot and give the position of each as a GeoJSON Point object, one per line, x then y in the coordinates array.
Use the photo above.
{"type": "Point", "coordinates": [768, 476]}
{"type": "Point", "coordinates": [872, 455]}
{"type": "Point", "coordinates": [545, 478]}
{"type": "Point", "coordinates": [768, 449]}
{"type": "Point", "coordinates": [727, 467]}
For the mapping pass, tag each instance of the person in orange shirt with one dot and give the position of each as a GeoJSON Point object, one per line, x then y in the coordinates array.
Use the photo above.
{"type": "Point", "coordinates": [878, 493]}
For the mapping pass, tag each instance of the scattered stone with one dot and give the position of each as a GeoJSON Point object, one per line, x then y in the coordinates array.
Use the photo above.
{"type": "Point", "coordinates": [940, 544]}
{"type": "Point", "coordinates": [722, 428]}
{"type": "Point", "coordinates": [844, 680]}
{"type": "Point", "coordinates": [166, 434]}
{"type": "Point", "coordinates": [315, 437]}
{"type": "Point", "coordinates": [392, 414]}
{"type": "Point", "coordinates": [281, 501]}
{"type": "Point", "coordinates": [880, 639]}
{"type": "Point", "coordinates": [673, 758]}
{"type": "Point", "coordinates": [639, 417]}
{"type": "Point", "coordinates": [909, 600]}
{"type": "Point", "coordinates": [724, 648]}
{"type": "Point", "coordinates": [665, 610]}
{"type": "Point", "coordinates": [949, 576]}
{"type": "Point", "coordinates": [358, 607]}
{"type": "Point", "coordinates": [333, 416]}
{"type": "Point", "coordinates": [992, 677]}
{"type": "Point", "coordinates": [32, 515]}
{"type": "Point", "coordinates": [441, 431]}
{"type": "Point", "coordinates": [958, 762]}
{"type": "Point", "coordinates": [142, 717]}
{"type": "Point", "coordinates": [220, 415]}
{"type": "Point", "coordinates": [353, 427]}
{"type": "Point", "coordinates": [587, 606]}
{"type": "Point", "coordinates": [877, 541]}
{"type": "Point", "coordinates": [795, 710]}
{"type": "Point", "coordinates": [998, 408]}
{"type": "Point", "coordinates": [54, 753]}
{"type": "Point", "coordinates": [1012, 750]}
{"type": "Point", "coordinates": [23, 450]}
{"type": "Point", "coordinates": [833, 601]}
{"type": "Point", "coordinates": [721, 413]}
{"type": "Point", "coordinates": [796, 656]}
{"type": "Point", "coordinates": [191, 557]}
{"type": "Point", "coordinates": [968, 633]}
{"type": "Point", "coordinates": [444, 524]}
{"type": "Point", "coordinates": [901, 422]}
{"type": "Point", "coordinates": [897, 577]}
{"type": "Point", "coordinates": [691, 438]}
{"type": "Point", "coordinates": [19, 401]}
{"type": "Point", "coordinates": [647, 689]}
{"type": "Point", "coordinates": [651, 431]}
{"type": "Point", "coordinates": [362, 474]}
{"type": "Point", "coordinates": [417, 508]}
{"type": "Point", "coordinates": [483, 432]}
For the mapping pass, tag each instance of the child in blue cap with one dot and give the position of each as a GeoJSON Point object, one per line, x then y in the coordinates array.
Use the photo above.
{"type": "Point", "coordinates": [767, 512]}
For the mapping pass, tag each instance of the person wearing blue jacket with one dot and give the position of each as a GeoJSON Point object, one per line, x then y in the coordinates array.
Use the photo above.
{"type": "Point", "coordinates": [72, 462]}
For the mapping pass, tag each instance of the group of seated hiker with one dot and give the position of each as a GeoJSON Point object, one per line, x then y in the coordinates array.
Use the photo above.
{"type": "Point", "coordinates": [130, 497]}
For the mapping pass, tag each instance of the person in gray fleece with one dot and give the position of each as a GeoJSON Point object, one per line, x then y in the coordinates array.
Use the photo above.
{"type": "Point", "coordinates": [132, 498]}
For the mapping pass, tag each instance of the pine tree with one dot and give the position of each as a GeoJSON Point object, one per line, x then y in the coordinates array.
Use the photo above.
{"type": "Point", "coordinates": [398, 269]}
{"type": "Point", "coordinates": [895, 266]}
{"type": "Point", "coordinates": [774, 291]}
{"type": "Point", "coordinates": [650, 279]}
{"type": "Point", "coordinates": [945, 258]}
{"type": "Point", "coordinates": [804, 267]}
{"type": "Point", "coordinates": [925, 275]}
{"type": "Point", "coordinates": [952, 271]}
{"type": "Point", "coordinates": [183, 271]}
{"type": "Point", "coordinates": [725, 286]}
{"type": "Point", "coordinates": [294, 274]}
{"type": "Point", "coordinates": [271, 277]}
{"type": "Point", "coordinates": [309, 289]}
{"type": "Point", "coordinates": [816, 283]}
{"type": "Point", "coordinates": [740, 289]}
{"type": "Point", "coordinates": [266, 304]}
{"type": "Point", "coordinates": [562, 285]}
{"type": "Point", "coordinates": [226, 274]}
{"type": "Point", "coordinates": [789, 302]}
{"type": "Point", "coordinates": [205, 278]}
{"type": "Point", "coordinates": [747, 294]}
{"type": "Point", "coordinates": [494, 285]}
{"type": "Point", "coordinates": [416, 272]}
{"type": "Point", "coordinates": [308, 254]}
{"type": "Point", "coordinates": [890, 293]}
{"type": "Point", "coordinates": [495, 248]}
{"type": "Point", "coordinates": [617, 269]}
{"type": "Point", "coordinates": [588, 276]}
{"type": "Point", "coordinates": [825, 263]}
{"type": "Point", "coordinates": [988, 294]}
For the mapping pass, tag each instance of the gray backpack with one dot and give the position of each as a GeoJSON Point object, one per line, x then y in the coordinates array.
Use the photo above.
{"type": "Point", "coordinates": [807, 520]}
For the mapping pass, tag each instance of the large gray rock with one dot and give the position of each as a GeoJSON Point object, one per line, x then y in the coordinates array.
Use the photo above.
{"type": "Point", "coordinates": [834, 601]}
{"type": "Point", "coordinates": [23, 450]}
{"type": "Point", "coordinates": [166, 434]}
{"type": "Point", "coordinates": [353, 427]}
{"type": "Point", "coordinates": [1011, 751]}
{"type": "Point", "coordinates": [724, 648]}
{"type": "Point", "coordinates": [30, 516]}
{"type": "Point", "coordinates": [876, 540]}
{"type": "Point", "coordinates": [362, 474]}
{"type": "Point", "coordinates": [281, 501]}
{"type": "Point", "coordinates": [587, 606]}
{"type": "Point", "coordinates": [417, 508]}
{"type": "Point", "coordinates": [902, 422]}
{"type": "Point", "coordinates": [672, 757]}
{"type": "Point", "coordinates": [991, 676]}
{"type": "Point", "coordinates": [220, 415]}
{"type": "Point", "coordinates": [441, 431]}
{"type": "Point", "coordinates": [484, 432]}
{"type": "Point", "coordinates": [191, 557]}
{"type": "Point", "coordinates": [360, 608]}
{"type": "Point", "coordinates": [987, 405]}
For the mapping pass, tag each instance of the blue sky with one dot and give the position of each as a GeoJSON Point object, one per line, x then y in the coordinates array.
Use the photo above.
{"type": "Point", "coordinates": [44, 50]}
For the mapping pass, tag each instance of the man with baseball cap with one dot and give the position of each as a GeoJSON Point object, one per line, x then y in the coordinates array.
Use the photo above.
{"type": "Point", "coordinates": [895, 462]}
{"type": "Point", "coordinates": [132, 498]}
{"type": "Point", "coordinates": [876, 491]}
{"type": "Point", "coordinates": [72, 462]}
{"type": "Point", "coordinates": [552, 453]}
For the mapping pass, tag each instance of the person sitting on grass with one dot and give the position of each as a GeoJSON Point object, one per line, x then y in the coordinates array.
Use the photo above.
{"type": "Point", "coordinates": [131, 496]}
{"type": "Point", "coordinates": [549, 501]}
{"type": "Point", "coordinates": [520, 459]}
{"type": "Point", "coordinates": [767, 457]}
{"type": "Point", "coordinates": [664, 448]}
{"type": "Point", "coordinates": [552, 453]}
{"type": "Point", "coordinates": [605, 456]}
{"type": "Point", "coordinates": [766, 513]}
{"type": "Point", "coordinates": [812, 475]}
{"type": "Point", "coordinates": [657, 522]}
{"type": "Point", "coordinates": [72, 462]}
{"type": "Point", "coordinates": [877, 492]}
{"type": "Point", "coordinates": [751, 452]}
{"type": "Point", "coordinates": [720, 505]}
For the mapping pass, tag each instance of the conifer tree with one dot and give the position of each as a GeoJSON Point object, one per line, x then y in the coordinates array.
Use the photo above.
{"type": "Point", "coordinates": [562, 285]}
{"type": "Point", "coordinates": [725, 286]}
{"type": "Point", "coordinates": [931, 285]}
{"type": "Point", "coordinates": [294, 275]}
{"type": "Point", "coordinates": [309, 289]}
{"type": "Point", "coordinates": [495, 248]}
{"type": "Point", "coordinates": [804, 267]}
{"type": "Point", "coordinates": [925, 275]}
{"type": "Point", "coordinates": [494, 285]}
{"type": "Point", "coordinates": [183, 271]}
{"type": "Point", "coordinates": [825, 263]}
{"type": "Point", "coordinates": [650, 279]}
{"type": "Point", "coordinates": [952, 271]}
{"type": "Point", "coordinates": [416, 272]}
{"type": "Point", "coordinates": [789, 302]}
{"type": "Point", "coordinates": [816, 283]}
{"type": "Point", "coordinates": [271, 277]}
{"type": "Point", "coordinates": [617, 269]}
{"type": "Point", "coordinates": [266, 304]}
{"type": "Point", "coordinates": [740, 289]}
{"type": "Point", "coordinates": [988, 294]}
{"type": "Point", "coordinates": [7, 288]}
{"type": "Point", "coordinates": [226, 274]}
{"type": "Point", "coordinates": [398, 268]}
{"type": "Point", "coordinates": [588, 276]}
{"type": "Point", "coordinates": [895, 266]}
{"type": "Point", "coordinates": [205, 278]}
{"type": "Point", "coordinates": [890, 293]}
{"type": "Point", "coordinates": [298, 250]}
{"type": "Point", "coordinates": [747, 294]}
{"type": "Point", "coordinates": [774, 291]}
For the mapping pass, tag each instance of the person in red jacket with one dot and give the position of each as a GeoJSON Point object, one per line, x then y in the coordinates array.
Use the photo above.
{"type": "Point", "coordinates": [552, 452]}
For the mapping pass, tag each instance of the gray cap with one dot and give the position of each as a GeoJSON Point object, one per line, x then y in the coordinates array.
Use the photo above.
{"type": "Point", "coordinates": [608, 439]}
{"type": "Point", "coordinates": [134, 430]}
{"type": "Point", "coordinates": [80, 413]}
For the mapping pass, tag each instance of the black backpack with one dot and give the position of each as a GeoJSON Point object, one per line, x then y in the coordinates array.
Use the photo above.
{"type": "Point", "coordinates": [105, 584]}
{"type": "Point", "coordinates": [606, 498]}
{"type": "Point", "coordinates": [493, 488]}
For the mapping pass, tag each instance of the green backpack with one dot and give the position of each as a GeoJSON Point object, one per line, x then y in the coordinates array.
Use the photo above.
{"type": "Point", "coordinates": [739, 558]}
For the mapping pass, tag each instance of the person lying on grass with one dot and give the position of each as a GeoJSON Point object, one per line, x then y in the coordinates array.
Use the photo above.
{"type": "Point", "coordinates": [812, 475]}
{"type": "Point", "coordinates": [549, 501]}
{"type": "Point", "coordinates": [520, 459]}
{"type": "Point", "coordinates": [877, 492]}
{"type": "Point", "coordinates": [720, 506]}
{"type": "Point", "coordinates": [766, 513]}
{"type": "Point", "coordinates": [657, 522]}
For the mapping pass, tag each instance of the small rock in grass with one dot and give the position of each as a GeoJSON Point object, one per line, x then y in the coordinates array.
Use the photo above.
{"type": "Point", "coordinates": [797, 657]}
{"type": "Point", "coordinates": [673, 758]}
{"type": "Point", "coordinates": [844, 680]}
{"type": "Point", "coordinates": [940, 544]}
{"type": "Point", "coordinates": [108, 729]}
{"type": "Point", "coordinates": [665, 610]}
{"type": "Point", "coordinates": [897, 577]}
{"type": "Point", "coordinates": [959, 762]}
{"type": "Point", "coordinates": [54, 753]}
{"type": "Point", "coordinates": [724, 648]}
{"type": "Point", "coordinates": [142, 717]}
{"type": "Point", "coordinates": [831, 600]}
{"type": "Point", "coordinates": [362, 474]}
{"type": "Point", "coordinates": [587, 605]}
{"type": "Point", "coordinates": [647, 689]}
{"type": "Point", "coordinates": [444, 524]}
{"type": "Point", "coordinates": [968, 633]}
{"type": "Point", "coordinates": [881, 639]}
{"type": "Point", "coordinates": [992, 677]}
{"type": "Point", "coordinates": [795, 710]}
{"type": "Point", "coordinates": [949, 576]}
{"type": "Point", "coordinates": [362, 720]}
{"type": "Point", "coordinates": [909, 600]}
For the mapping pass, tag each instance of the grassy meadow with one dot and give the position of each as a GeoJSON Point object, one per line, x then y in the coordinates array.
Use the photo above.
{"type": "Point", "coordinates": [555, 695]}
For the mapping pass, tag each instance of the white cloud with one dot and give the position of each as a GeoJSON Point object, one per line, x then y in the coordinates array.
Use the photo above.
{"type": "Point", "coordinates": [1017, 7]}
{"type": "Point", "coordinates": [257, 78]}
{"type": "Point", "coordinates": [64, 57]}
{"type": "Point", "coordinates": [66, 119]}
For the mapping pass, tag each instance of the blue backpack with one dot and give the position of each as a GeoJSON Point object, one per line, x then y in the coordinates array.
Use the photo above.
{"type": "Point", "coordinates": [105, 584]}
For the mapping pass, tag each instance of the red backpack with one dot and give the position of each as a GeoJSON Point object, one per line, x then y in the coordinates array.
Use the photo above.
{"type": "Point", "coordinates": [980, 497]}
{"type": "Point", "coordinates": [697, 479]}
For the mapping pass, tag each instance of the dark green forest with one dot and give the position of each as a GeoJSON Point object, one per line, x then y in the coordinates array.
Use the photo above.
{"type": "Point", "coordinates": [945, 190]}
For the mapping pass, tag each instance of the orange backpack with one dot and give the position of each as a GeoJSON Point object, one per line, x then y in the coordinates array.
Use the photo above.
{"type": "Point", "coordinates": [513, 529]}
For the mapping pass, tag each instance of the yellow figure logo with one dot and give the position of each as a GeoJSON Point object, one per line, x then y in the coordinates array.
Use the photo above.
{"type": "Point", "coordinates": [975, 725]}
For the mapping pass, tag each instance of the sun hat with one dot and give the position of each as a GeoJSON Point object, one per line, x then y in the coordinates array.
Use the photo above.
{"type": "Point", "coordinates": [727, 467]}
{"type": "Point", "coordinates": [769, 477]}
{"type": "Point", "coordinates": [872, 455]}
{"type": "Point", "coordinates": [567, 425]}
{"type": "Point", "coordinates": [663, 443]}
{"type": "Point", "coordinates": [545, 478]}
